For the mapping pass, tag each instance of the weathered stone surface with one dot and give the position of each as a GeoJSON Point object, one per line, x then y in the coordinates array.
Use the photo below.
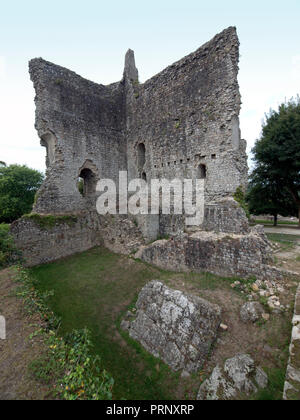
{"type": "Point", "coordinates": [41, 242]}
{"type": "Point", "coordinates": [219, 253]}
{"type": "Point", "coordinates": [216, 387]}
{"type": "Point", "coordinates": [130, 71]}
{"type": "Point", "coordinates": [187, 116]}
{"type": "Point", "coordinates": [239, 369]}
{"type": "Point", "coordinates": [292, 382]}
{"type": "Point", "coordinates": [261, 378]}
{"type": "Point", "coordinates": [225, 216]}
{"type": "Point", "coordinates": [180, 329]}
{"type": "Point", "coordinates": [239, 375]}
{"type": "Point", "coordinates": [251, 312]}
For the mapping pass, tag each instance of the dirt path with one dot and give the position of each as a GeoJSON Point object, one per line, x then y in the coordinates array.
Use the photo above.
{"type": "Point", "coordinates": [290, 230]}
{"type": "Point", "coordinates": [17, 352]}
{"type": "Point", "coordinates": [289, 260]}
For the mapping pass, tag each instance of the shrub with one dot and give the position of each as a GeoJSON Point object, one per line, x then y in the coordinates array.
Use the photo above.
{"type": "Point", "coordinates": [240, 198]}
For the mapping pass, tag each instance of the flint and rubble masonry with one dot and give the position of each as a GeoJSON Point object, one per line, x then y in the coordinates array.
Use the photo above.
{"type": "Point", "coordinates": [292, 383]}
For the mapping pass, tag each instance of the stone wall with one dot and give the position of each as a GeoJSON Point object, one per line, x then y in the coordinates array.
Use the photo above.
{"type": "Point", "coordinates": [188, 115]}
{"type": "Point", "coordinates": [292, 383]}
{"type": "Point", "coordinates": [46, 238]}
{"type": "Point", "coordinates": [226, 255]}
{"type": "Point", "coordinates": [225, 216]}
{"type": "Point", "coordinates": [81, 125]}
{"type": "Point", "coordinates": [184, 117]}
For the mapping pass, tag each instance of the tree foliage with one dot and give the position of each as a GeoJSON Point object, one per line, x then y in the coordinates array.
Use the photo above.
{"type": "Point", "coordinates": [267, 196]}
{"type": "Point", "coordinates": [18, 186]}
{"type": "Point", "coordinates": [276, 177]}
{"type": "Point", "coordinates": [240, 197]}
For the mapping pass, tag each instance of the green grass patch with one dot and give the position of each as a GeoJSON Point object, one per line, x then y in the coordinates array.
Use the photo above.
{"type": "Point", "coordinates": [93, 290]}
{"type": "Point", "coordinates": [90, 291]}
{"type": "Point", "coordinates": [274, 390]}
{"type": "Point", "coordinates": [286, 241]}
{"type": "Point", "coordinates": [66, 362]}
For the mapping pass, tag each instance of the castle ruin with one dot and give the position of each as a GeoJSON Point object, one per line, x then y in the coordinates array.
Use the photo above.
{"type": "Point", "coordinates": [182, 123]}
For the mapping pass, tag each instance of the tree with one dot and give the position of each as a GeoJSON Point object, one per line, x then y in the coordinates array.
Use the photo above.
{"type": "Point", "coordinates": [277, 152]}
{"type": "Point", "coordinates": [266, 196]}
{"type": "Point", "coordinates": [18, 186]}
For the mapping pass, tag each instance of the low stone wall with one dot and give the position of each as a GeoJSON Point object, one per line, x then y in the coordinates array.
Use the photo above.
{"type": "Point", "coordinates": [180, 329]}
{"type": "Point", "coordinates": [219, 253]}
{"type": "Point", "coordinates": [120, 234]}
{"type": "Point", "coordinates": [46, 238]}
{"type": "Point", "coordinates": [43, 239]}
{"type": "Point", "coordinates": [292, 382]}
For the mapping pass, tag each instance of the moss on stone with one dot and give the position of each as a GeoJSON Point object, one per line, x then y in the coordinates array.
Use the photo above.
{"type": "Point", "coordinates": [49, 221]}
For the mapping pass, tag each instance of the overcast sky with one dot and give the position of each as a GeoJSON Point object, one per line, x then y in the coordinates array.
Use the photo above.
{"type": "Point", "coordinates": [91, 38]}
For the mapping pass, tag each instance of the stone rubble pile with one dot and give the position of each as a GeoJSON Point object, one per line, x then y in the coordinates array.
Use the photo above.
{"type": "Point", "coordinates": [267, 292]}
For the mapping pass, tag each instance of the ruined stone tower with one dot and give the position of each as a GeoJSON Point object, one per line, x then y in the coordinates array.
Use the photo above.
{"type": "Point", "coordinates": [182, 123]}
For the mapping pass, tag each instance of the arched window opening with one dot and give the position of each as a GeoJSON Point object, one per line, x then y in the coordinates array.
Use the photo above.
{"type": "Point", "coordinates": [87, 182]}
{"type": "Point", "coordinates": [141, 155]}
{"type": "Point", "coordinates": [49, 141]}
{"type": "Point", "coordinates": [201, 171]}
{"type": "Point", "coordinates": [144, 176]}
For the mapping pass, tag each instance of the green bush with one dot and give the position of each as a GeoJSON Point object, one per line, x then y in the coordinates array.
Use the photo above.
{"type": "Point", "coordinates": [8, 252]}
{"type": "Point", "coordinates": [240, 198]}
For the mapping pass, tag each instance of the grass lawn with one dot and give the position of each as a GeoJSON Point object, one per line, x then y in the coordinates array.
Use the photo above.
{"type": "Point", "coordinates": [94, 289]}
{"type": "Point", "coordinates": [270, 222]}
{"type": "Point", "coordinates": [286, 241]}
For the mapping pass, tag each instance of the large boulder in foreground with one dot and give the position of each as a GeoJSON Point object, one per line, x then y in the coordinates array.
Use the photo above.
{"type": "Point", "coordinates": [180, 329]}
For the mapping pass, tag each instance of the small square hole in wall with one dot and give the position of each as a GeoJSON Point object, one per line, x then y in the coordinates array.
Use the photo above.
{"type": "Point", "coordinates": [174, 162]}
{"type": "Point", "coordinates": [155, 166]}
{"type": "Point", "coordinates": [168, 163]}
{"type": "Point", "coordinates": [181, 161]}
{"type": "Point", "coordinates": [188, 159]}
{"type": "Point", "coordinates": [213, 156]}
